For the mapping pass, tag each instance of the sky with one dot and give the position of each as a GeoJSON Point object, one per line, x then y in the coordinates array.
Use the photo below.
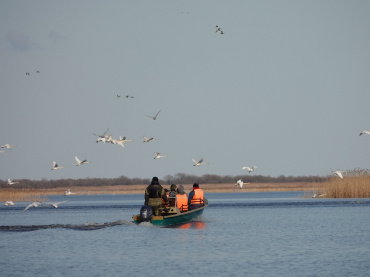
{"type": "Point", "coordinates": [285, 88]}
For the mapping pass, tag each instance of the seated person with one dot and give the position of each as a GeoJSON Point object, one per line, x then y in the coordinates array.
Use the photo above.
{"type": "Point", "coordinates": [182, 199]}
{"type": "Point", "coordinates": [196, 197]}
{"type": "Point", "coordinates": [172, 195]}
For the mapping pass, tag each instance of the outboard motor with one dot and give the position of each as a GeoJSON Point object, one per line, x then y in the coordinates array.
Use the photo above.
{"type": "Point", "coordinates": [146, 213]}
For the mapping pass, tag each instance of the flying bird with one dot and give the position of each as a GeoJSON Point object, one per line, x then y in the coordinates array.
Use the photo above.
{"type": "Point", "coordinates": [118, 96]}
{"type": "Point", "coordinates": [158, 155]}
{"type": "Point", "coordinates": [339, 173]}
{"type": "Point", "coordinates": [33, 204]}
{"type": "Point", "coordinates": [11, 182]}
{"type": "Point", "coordinates": [101, 137]}
{"type": "Point", "coordinates": [8, 146]}
{"type": "Point", "coordinates": [365, 132]}
{"type": "Point", "coordinates": [27, 73]}
{"type": "Point", "coordinates": [68, 192]}
{"type": "Point", "coordinates": [200, 162]}
{"type": "Point", "coordinates": [146, 139]}
{"type": "Point", "coordinates": [55, 204]}
{"type": "Point", "coordinates": [37, 71]}
{"type": "Point", "coordinates": [219, 30]}
{"type": "Point", "coordinates": [129, 96]}
{"type": "Point", "coordinates": [9, 203]}
{"type": "Point", "coordinates": [80, 162]}
{"type": "Point", "coordinates": [250, 169]}
{"type": "Point", "coordinates": [154, 117]}
{"type": "Point", "coordinates": [55, 166]}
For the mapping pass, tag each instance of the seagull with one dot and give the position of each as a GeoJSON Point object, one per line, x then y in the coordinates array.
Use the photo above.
{"type": "Point", "coordinates": [154, 117]}
{"type": "Point", "coordinates": [68, 192]}
{"type": "Point", "coordinates": [118, 96]}
{"type": "Point", "coordinates": [55, 166]}
{"type": "Point", "coordinates": [9, 203]}
{"type": "Point", "coordinates": [219, 30]}
{"type": "Point", "coordinates": [146, 139]}
{"type": "Point", "coordinates": [121, 141]}
{"type": "Point", "coordinates": [200, 162]}
{"type": "Point", "coordinates": [240, 183]}
{"type": "Point", "coordinates": [10, 182]}
{"type": "Point", "coordinates": [101, 137]}
{"type": "Point", "coordinates": [365, 132]}
{"type": "Point", "coordinates": [81, 162]}
{"type": "Point", "coordinates": [250, 169]}
{"type": "Point", "coordinates": [8, 146]}
{"type": "Point", "coordinates": [158, 155]}
{"type": "Point", "coordinates": [55, 205]}
{"type": "Point", "coordinates": [339, 173]}
{"type": "Point", "coordinates": [33, 204]}
{"type": "Point", "coordinates": [129, 96]}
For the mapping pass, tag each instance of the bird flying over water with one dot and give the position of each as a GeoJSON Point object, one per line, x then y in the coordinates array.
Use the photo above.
{"type": "Point", "coordinates": [365, 132]}
{"type": "Point", "coordinates": [55, 204]}
{"type": "Point", "coordinates": [198, 163]}
{"type": "Point", "coordinates": [55, 166]}
{"type": "Point", "coordinates": [9, 203]}
{"type": "Point", "coordinates": [250, 169]}
{"type": "Point", "coordinates": [80, 162]}
{"type": "Point", "coordinates": [33, 204]}
{"type": "Point", "coordinates": [154, 117]}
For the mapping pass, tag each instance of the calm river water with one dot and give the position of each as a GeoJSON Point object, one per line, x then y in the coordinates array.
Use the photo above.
{"type": "Point", "coordinates": [239, 234]}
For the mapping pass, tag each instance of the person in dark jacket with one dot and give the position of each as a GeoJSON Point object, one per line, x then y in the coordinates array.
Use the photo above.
{"type": "Point", "coordinates": [155, 196]}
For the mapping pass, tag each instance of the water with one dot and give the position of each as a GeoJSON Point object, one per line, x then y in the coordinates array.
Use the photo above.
{"type": "Point", "coordinates": [239, 234]}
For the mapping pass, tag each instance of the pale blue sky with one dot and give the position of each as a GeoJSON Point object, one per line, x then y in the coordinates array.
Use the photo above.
{"type": "Point", "coordinates": [284, 89]}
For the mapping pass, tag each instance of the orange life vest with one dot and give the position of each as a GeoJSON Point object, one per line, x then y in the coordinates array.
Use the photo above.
{"type": "Point", "coordinates": [198, 197]}
{"type": "Point", "coordinates": [182, 202]}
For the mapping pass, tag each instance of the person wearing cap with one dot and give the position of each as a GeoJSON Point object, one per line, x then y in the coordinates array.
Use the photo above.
{"type": "Point", "coordinates": [154, 194]}
{"type": "Point", "coordinates": [182, 199]}
{"type": "Point", "coordinates": [196, 197]}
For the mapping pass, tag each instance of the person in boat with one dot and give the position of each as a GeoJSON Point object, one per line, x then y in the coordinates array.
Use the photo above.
{"type": "Point", "coordinates": [172, 195]}
{"type": "Point", "coordinates": [155, 196]}
{"type": "Point", "coordinates": [182, 199]}
{"type": "Point", "coordinates": [196, 197]}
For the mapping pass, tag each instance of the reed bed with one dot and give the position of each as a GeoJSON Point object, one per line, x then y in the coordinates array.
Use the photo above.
{"type": "Point", "coordinates": [351, 186]}
{"type": "Point", "coordinates": [29, 195]}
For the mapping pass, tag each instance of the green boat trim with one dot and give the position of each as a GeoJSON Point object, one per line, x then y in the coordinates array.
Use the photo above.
{"type": "Point", "coordinates": [172, 216]}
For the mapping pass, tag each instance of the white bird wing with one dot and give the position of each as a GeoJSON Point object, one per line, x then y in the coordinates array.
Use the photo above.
{"type": "Point", "coordinates": [77, 160]}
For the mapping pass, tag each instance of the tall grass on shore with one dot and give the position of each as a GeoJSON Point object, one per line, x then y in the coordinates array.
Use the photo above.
{"type": "Point", "coordinates": [21, 195]}
{"type": "Point", "coordinates": [355, 184]}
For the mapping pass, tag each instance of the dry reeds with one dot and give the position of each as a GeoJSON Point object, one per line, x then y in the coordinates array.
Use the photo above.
{"type": "Point", "coordinates": [353, 185]}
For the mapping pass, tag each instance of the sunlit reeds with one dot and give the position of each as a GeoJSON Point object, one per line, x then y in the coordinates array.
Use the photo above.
{"type": "Point", "coordinates": [355, 184]}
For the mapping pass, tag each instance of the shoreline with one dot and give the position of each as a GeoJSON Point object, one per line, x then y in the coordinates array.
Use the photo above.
{"type": "Point", "coordinates": [33, 194]}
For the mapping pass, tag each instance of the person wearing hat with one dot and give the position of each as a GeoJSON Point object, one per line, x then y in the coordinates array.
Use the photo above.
{"type": "Point", "coordinates": [182, 199]}
{"type": "Point", "coordinates": [196, 197]}
{"type": "Point", "coordinates": [154, 194]}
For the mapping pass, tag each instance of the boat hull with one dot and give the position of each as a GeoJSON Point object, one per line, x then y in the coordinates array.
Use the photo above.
{"type": "Point", "coordinates": [175, 219]}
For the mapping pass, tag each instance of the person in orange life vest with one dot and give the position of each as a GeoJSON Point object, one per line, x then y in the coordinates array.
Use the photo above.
{"type": "Point", "coordinates": [196, 197]}
{"type": "Point", "coordinates": [182, 199]}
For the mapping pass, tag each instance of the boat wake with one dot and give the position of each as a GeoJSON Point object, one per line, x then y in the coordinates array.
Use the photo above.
{"type": "Point", "coordinates": [79, 227]}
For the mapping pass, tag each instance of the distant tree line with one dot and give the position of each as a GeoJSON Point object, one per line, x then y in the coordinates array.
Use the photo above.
{"type": "Point", "coordinates": [179, 178]}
